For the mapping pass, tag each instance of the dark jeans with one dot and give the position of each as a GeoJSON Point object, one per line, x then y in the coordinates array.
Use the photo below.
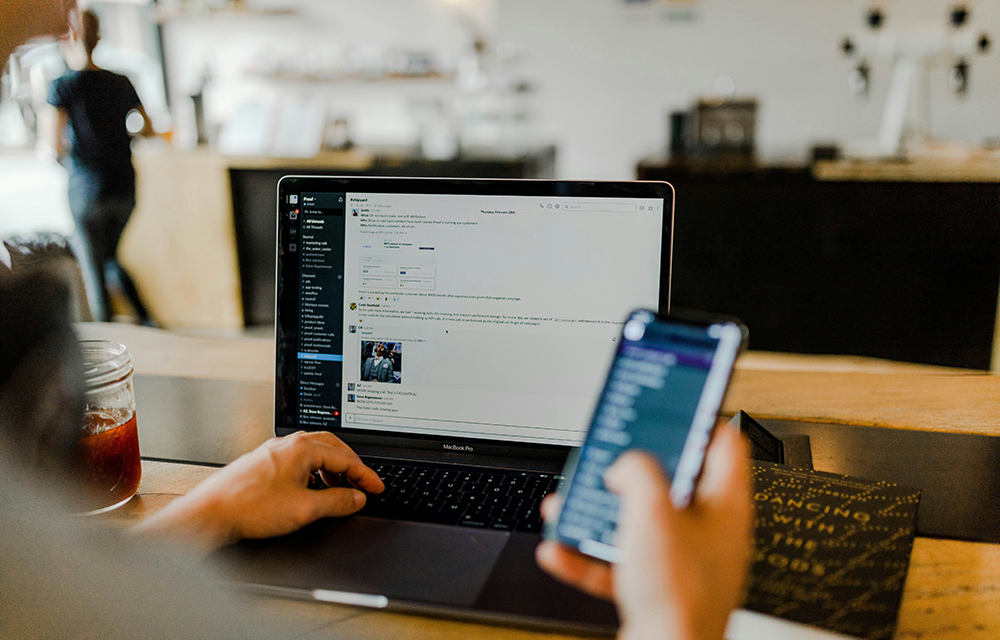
{"type": "Point", "coordinates": [100, 220]}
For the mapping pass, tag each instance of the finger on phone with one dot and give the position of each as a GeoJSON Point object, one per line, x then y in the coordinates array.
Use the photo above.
{"type": "Point", "coordinates": [550, 506]}
{"type": "Point", "coordinates": [564, 564]}
{"type": "Point", "coordinates": [637, 476]}
{"type": "Point", "coordinates": [727, 468]}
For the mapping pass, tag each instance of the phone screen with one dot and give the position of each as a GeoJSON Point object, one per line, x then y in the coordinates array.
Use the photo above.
{"type": "Point", "coordinates": [662, 395]}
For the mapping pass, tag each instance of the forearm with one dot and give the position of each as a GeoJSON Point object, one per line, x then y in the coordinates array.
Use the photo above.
{"type": "Point", "coordinates": [59, 133]}
{"type": "Point", "coordinates": [656, 628]}
{"type": "Point", "coordinates": [59, 146]}
{"type": "Point", "coordinates": [51, 125]}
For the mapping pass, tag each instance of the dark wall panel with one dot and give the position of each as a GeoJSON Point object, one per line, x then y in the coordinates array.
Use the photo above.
{"type": "Point", "coordinates": [905, 271]}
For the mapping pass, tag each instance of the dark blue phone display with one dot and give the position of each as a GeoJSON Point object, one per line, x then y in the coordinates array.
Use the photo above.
{"type": "Point", "coordinates": [649, 402]}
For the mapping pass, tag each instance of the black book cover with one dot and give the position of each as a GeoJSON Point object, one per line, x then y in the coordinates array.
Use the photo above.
{"type": "Point", "coordinates": [831, 551]}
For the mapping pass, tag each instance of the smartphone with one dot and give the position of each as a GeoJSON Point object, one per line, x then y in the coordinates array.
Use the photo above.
{"type": "Point", "coordinates": [662, 395]}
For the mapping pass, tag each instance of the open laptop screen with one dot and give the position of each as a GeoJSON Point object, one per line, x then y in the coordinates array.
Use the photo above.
{"type": "Point", "coordinates": [456, 315]}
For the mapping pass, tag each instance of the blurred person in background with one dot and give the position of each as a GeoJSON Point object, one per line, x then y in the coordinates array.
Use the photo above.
{"type": "Point", "coordinates": [92, 106]}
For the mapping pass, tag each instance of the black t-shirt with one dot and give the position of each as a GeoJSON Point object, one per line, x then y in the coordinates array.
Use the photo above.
{"type": "Point", "coordinates": [98, 102]}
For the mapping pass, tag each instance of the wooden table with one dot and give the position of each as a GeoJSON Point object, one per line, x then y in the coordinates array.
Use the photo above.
{"type": "Point", "coordinates": [952, 589]}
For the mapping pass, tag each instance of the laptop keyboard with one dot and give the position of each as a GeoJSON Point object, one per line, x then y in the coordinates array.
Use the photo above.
{"type": "Point", "coordinates": [498, 499]}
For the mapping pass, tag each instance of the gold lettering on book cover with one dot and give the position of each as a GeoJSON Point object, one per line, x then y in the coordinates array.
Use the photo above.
{"type": "Point", "coordinates": [830, 550]}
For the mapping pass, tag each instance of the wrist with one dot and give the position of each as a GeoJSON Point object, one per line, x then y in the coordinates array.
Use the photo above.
{"type": "Point", "coordinates": [194, 521]}
{"type": "Point", "coordinates": [661, 625]}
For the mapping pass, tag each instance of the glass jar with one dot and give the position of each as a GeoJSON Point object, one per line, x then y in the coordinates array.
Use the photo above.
{"type": "Point", "coordinates": [108, 450]}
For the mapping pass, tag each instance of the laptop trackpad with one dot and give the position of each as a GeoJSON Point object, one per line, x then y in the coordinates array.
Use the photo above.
{"type": "Point", "coordinates": [407, 560]}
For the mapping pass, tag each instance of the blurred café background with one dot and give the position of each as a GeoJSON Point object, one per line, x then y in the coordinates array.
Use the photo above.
{"type": "Point", "coordinates": [836, 164]}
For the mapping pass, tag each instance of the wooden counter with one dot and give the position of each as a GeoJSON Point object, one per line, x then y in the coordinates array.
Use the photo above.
{"type": "Point", "coordinates": [180, 245]}
{"type": "Point", "coordinates": [980, 169]}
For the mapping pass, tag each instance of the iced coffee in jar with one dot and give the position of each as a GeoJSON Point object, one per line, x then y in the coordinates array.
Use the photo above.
{"type": "Point", "coordinates": [107, 454]}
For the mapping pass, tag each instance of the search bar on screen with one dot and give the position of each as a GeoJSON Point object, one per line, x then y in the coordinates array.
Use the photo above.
{"type": "Point", "coordinates": [600, 207]}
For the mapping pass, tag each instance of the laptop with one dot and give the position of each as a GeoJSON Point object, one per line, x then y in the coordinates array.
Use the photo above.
{"type": "Point", "coordinates": [456, 334]}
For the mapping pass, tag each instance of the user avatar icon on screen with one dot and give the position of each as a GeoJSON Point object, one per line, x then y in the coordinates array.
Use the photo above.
{"type": "Point", "coordinates": [381, 361]}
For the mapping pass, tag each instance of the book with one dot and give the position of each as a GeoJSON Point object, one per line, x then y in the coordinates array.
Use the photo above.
{"type": "Point", "coordinates": [830, 550]}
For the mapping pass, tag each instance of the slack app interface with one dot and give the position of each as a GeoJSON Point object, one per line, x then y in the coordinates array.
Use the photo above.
{"type": "Point", "coordinates": [476, 316]}
{"type": "Point", "coordinates": [318, 240]}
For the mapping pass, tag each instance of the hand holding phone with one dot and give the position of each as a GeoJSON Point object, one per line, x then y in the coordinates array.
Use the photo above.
{"type": "Point", "coordinates": [682, 570]}
{"type": "Point", "coordinates": [666, 384]}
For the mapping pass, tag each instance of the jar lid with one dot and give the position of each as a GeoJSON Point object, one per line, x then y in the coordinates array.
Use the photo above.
{"type": "Point", "coordinates": [104, 362]}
